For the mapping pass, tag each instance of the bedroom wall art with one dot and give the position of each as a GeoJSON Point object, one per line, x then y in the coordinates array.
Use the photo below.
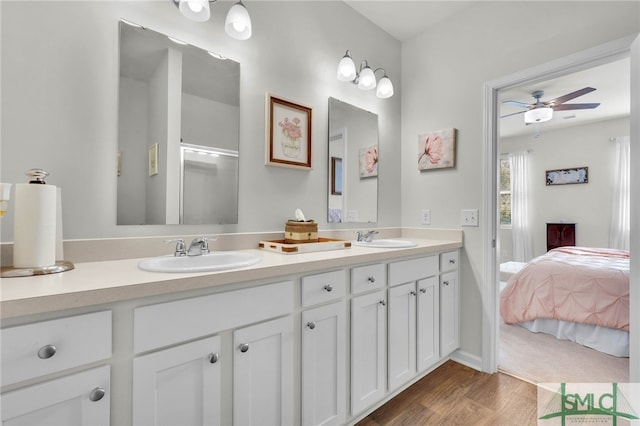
{"type": "Point", "coordinates": [288, 141]}
{"type": "Point", "coordinates": [437, 150]}
{"type": "Point", "coordinates": [567, 176]}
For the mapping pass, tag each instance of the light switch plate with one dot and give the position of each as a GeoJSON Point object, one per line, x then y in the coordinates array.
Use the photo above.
{"type": "Point", "coordinates": [352, 216]}
{"type": "Point", "coordinates": [425, 217]}
{"type": "Point", "coordinates": [469, 217]}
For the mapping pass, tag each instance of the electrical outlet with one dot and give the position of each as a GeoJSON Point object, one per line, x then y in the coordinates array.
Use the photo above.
{"type": "Point", "coordinates": [352, 216]}
{"type": "Point", "coordinates": [469, 217]}
{"type": "Point", "coordinates": [425, 217]}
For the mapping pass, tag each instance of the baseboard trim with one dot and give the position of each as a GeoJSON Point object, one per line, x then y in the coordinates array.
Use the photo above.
{"type": "Point", "coordinates": [468, 359]}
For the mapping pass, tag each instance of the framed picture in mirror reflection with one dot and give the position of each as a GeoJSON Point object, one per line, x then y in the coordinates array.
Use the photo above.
{"type": "Point", "coordinates": [288, 141]}
{"type": "Point", "coordinates": [336, 176]}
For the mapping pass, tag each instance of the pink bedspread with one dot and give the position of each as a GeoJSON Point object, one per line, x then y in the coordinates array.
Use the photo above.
{"type": "Point", "coordinates": [578, 284]}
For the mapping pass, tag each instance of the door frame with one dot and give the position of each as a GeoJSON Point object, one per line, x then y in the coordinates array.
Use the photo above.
{"type": "Point", "coordinates": [611, 51]}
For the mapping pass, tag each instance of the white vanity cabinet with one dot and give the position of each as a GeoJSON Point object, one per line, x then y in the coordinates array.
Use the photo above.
{"type": "Point", "coordinates": [413, 318]}
{"type": "Point", "coordinates": [323, 340]}
{"type": "Point", "coordinates": [449, 303]}
{"type": "Point", "coordinates": [179, 380]}
{"type": "Point", "coordinates": [368, 336]}
{"type": "Point", "coordinates": [34, 350]}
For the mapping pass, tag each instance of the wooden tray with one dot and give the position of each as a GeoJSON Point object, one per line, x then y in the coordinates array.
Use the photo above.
{"type": "Point", "coordinates": [323, 244]}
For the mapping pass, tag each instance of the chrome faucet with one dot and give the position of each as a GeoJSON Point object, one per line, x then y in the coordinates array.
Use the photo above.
{"type": "Point", "coordinates": [181, 250]}
{"type": "Point", "coordinates": [199, 246]}
{"type": "Point", "coordinates": [366, 236]}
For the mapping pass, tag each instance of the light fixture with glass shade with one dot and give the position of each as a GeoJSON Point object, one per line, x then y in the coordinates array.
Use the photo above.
{"type": "Point", "coordinates": [538, 115]}
{"type": "Point", "coordinates": [365, 78]}
{"type": "Point", "coordinates": [237, 24]}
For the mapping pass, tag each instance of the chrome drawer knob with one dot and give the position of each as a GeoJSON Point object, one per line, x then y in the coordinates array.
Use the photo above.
{"type": "Point", "coordinates": [371, 279]}
{"type": "Point", "coordinates": [96, 394]}
{"type": "Point", "coordinates": [413, 293]}
{"type": "Point", "coordinates": [383, 302]}
{"type": "Point", "coordinates": [213, 358]}
{"type": "Point", "coordinates": [244, 347]}
{"type": "Point", "coordinates": [311, 325]}
{"type": "Point", "coordinates": [452, 261]}
{"type": "Point", "coordinates": [445, 282]}
{"type": "Point", "coordinates": [47, 351]}
{"type": "Point", "coordinates": [423, 290]}
{"type": "Point", "coordinates": [328, 287]}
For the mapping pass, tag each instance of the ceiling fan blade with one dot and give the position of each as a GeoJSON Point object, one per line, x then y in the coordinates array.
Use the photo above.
{"type": "Point", "coordinates": [518, 104]}
{"type": "Point", "coordinates": [569, 96]}
{"type": "Point", "coordinates": [566, 107]}
{"type": "Point", "coordinates": [514, 113]}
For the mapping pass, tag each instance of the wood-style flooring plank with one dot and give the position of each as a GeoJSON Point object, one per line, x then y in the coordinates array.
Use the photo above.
{"type": "Point", "coordinates": [454, 394]}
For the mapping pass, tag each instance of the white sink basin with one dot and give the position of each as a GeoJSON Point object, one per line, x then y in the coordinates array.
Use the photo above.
{"type": "Point", "coordinates": [214, 261]}
{"type": "Point", "coordinates": [385, 243]}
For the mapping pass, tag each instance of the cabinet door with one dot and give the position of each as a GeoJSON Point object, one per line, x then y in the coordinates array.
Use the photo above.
{"type": "Point", "coordinates": [428, 323]}
{"type": "Point", "coordinates": [449, 313]}
{"type": "Point", "coordinates": [180, 385]}
{"type": "Point", "coordinates": [368, 350]}
{"type": "Point", "coordinates": [323, 365]}
{"type": "Point", "coordinates": [402, 334]}
{"type": "Point", "coordinates": [263, 373]}
{"type": "Point", "coordinates": [79, 399]}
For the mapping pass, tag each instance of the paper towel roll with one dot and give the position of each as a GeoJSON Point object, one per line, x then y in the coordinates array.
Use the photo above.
{"type": "Point", "coordinates": [34, 230]}
{"type": "Point", "coordinates": [59, 236]}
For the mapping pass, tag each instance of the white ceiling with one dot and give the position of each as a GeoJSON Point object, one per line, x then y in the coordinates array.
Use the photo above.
{"type": "Point", "coordinates": [406, 19]}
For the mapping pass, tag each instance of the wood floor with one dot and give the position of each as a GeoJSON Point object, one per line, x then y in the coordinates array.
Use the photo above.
{"type": "Point", "coordinates": [454, 394]}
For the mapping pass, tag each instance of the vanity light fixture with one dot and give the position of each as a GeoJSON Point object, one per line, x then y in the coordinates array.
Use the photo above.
{"type": "Point", "coordinates": [237, 24]}
{"type": "Point", "coordinates": [365, 78]}
{"type": "Point", "coordinates": [538, 115]}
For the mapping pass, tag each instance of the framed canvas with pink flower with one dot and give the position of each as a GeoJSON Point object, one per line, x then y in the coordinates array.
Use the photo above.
{"type": "Point", "coordinates": [288, 141]}
{"type": "Point", "coordinates": [368, 161]}
{"type": "Point", "coordinates": [437, 150]}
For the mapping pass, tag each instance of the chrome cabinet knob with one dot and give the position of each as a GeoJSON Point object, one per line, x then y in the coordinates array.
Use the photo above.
{"type": "Point", "coordinates": [423, 290]}
{"type": "Point", "coordinates": [413, 293]}
{"type": "Point", "coordinates": [213, 358]}
{"type": "Point", "coordinates": [371, 279]}
{"type": "Point", "coordinates": [244, 347]}
{"type": "Point", "coordinates": [445, 282]}
{"type": "Point", "coordinates": [311, 325]}
{"type": "Point", "coordinates": [452, 261]}
{"type": "Point", "coordinates": [47, 351]}
{"type": "Point", "coordinates": [96, 394]}
{"type": "Point", "coordinates": [383, 302]}
{"type": "Point", "coordinates": [328, 287]}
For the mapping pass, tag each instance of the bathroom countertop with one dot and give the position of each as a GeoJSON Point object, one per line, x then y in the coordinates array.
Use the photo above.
{"type": "Point", "coordinates": [95, 283]}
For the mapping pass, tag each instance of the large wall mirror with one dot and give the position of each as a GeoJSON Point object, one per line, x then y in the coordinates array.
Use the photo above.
{"type": "Point", "coordinates": [353, 164]}
{"type": "Point", "coordinates": [178, 132]}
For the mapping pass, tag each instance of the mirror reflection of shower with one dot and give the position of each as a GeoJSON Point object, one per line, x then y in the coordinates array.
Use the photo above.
{"type": "Point", "coordinates": [206, 175]}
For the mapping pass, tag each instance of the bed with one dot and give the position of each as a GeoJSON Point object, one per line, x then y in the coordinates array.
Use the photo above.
{"type": "Point", "coordinates": [575, 293]}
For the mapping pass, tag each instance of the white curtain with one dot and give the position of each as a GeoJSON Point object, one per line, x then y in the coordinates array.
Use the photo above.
{"type": "Point", "coordinates": [620, 212]}
{"type": "Point", "coordinates": [520, 217]}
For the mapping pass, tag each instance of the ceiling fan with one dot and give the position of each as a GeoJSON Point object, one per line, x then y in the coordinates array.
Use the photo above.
{"type": "Point", "coordinates": [540, 111]}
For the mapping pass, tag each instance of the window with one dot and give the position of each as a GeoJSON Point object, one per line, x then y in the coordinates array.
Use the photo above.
{"type": "Point", "coordinates": [505, 191]}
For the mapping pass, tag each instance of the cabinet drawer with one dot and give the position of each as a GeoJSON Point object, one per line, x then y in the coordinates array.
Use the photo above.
{"type": "Point", "coordinates": [449, 261]}
{"type": "Point", "coordinates": [324, 287]}
{"type": "Point", "coordinates": [412, 270]}
{"type": "Point", "coordinates": [46, 347]}
{"type": "Point", "coordinates": [168, 323]}
{"type": "Point", "coordinates": [370, 277]}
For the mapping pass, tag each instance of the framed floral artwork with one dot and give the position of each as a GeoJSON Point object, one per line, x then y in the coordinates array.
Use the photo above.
{"type": "Point", "coordinates": [288, 141]}
{"type": "Point", "coordinates": [437, 150]}
{"type": "Point", "coordinates": [368, 161]}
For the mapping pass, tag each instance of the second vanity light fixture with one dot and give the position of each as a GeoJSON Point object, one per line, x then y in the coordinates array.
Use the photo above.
{"type": "Point", "coordinates": [237, 25]}
{"type": "Point", "coordinates": [365, 78]}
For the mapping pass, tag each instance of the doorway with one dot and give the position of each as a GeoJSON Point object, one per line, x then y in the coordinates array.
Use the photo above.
{"type": "Point", "coordinates": [596, 56]}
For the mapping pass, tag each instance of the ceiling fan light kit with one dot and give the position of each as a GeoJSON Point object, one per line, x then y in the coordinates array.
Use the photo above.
{"type": "Point", "coordinates": [539, 111]}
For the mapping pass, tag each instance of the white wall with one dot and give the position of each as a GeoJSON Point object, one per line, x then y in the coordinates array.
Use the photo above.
{"type": "Point", "coordinates": [443, 72]}
{"type": "Point", "coordinates": [588, 205]}
{"type": "Point", "coordinates": [60, 103]}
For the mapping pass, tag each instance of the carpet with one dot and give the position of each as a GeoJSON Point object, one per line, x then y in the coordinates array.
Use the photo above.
{"type": "Point", "coordinates": [541, 358]}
